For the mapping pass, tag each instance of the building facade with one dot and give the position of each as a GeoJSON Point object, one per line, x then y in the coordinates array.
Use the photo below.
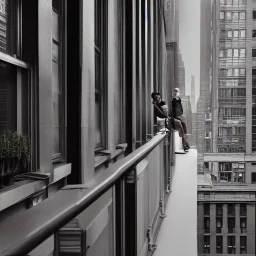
{"type": "Point", "coordinates": [77, 78]}
{"type": "Point", "coordinates": [227, 210]}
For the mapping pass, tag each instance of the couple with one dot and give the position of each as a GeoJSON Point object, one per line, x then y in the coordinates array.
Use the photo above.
{"type": "Point", "coordinates": [177, 111]}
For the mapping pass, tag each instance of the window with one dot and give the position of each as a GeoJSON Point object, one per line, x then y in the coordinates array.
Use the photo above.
{"type": "Point", "coordinates": [229, 34]}
{"type": "Point", "coordinates": [243, 210]}
{"type": "Point", "coordinates": [253, 53]}
{"type": "Point", "coordinates": [207, 224]}
{"type": "Point", "coordinates": [242, 15]}
{"type": "Point", "coordinates": [15, 79]}
{"type": "Point", "coordinates": [229, 2]}
{"type": "Point", "coordinates": [235, 2]}
{"type": "Point", "coordinates": [99, 75]}
{"type": "Point", "coordinates": [207, 244]}
{"type": "Point", "coordinates": [254, 33]}
{"type": "Point", "coordinates": [228, 16]}
{"type": "Point", "coordinates": [9, 30]}
{"type": "Point", "coordinates": [243, 245]}
{"type": "Point", "coordinates": [222, 15]}
{"type": "Point", "coordinates": [230, 53]}
{"type": "Point", "coordinates": [236, 72]}
{"type": "Point", "coordinates": [58, 81]}
{"type": "Point", "coordinates": [219, 244]}
{"type": "Point", "coordinates": [231, 225]}
{"type": "Point", "coordinates": [254, 72]}
{"type": "Point", "coordinates": [219, 225]}
{"type": "Point", "coordinates": [231, 210]}
{"type": "Point", "coordinates": [206, 209]}
{"type": "Point", "coordinates": [242, 33]}
{"type": "Point", "coordinates": [235, 16]}
{"type": "Point", "coordinates": [230, 72]}
{"type": "Point", "coordinates": [231, 245]}
{"type": "Point", "coordinates": [243, 225]}
{"type": "Point", "coordinates": [236, 53]}
{"type": "Point", "coordinates": [254, 14]}
{"type": "Point", "coordinates": [253, 177]}
{"type": "Point", "coordinates": [242, 72]}
{"type": "Point", "coordinates": [242, 53]}
{"type": "Point", "coordinates": [236, 33]}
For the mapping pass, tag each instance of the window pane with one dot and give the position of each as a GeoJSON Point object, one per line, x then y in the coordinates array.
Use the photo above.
{"type": "Point", "coordinates": [230, 53]}
{"type": "Point", "coordinates": [8, 96]}
{"type": "Point", "coordinates": [98, 120]}
{"type": "Point", "coordinates": [228, 16]}
{"type": "Point", "coordinates": [242, 15]}
{"type": "Point", "coordinates": [8, 27]}
{"type": "Point", "coordinates": [235, 16]}
{"type": "Point", "coordinates": [242, 33]}
{"type": "Point", "coordinates": [222, 15]}
{"type": "Point", "coordinates": [242, 52]}
{"type": "Point", "coordinates": [254, 33]}
{"type": "Point", "coordinates": [236, 53]}
{"type": "Point", "coordinates": [57, 90]}
{"type": "Point", "coordinates": [235, 33]}
{"type": "Point", "coordinates": [14, 98]}
{"type": "Point", "coordinates": [229, 34]}
{"type": "Point", "coordinates": [253, 52]}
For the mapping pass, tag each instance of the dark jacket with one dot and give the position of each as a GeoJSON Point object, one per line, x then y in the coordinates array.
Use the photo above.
{"type": "Point", "coordinates": [177, 109]}
{"type": "Point", "coordinates": [158, 110]}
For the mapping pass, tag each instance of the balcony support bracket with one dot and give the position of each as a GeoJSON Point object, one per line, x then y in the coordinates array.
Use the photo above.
{"type": "Point", "coordinates": [162, 213]}
{"type": "Point", "coordinates": [151, 245]}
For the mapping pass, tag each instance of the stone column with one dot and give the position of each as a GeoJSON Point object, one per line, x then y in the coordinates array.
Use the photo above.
{"type": "Point", "coordinates": [200, 227]}
{"type": "Point", "coordinates": [237, 227]}
{"type": "Point", "coordinates": [225, 228]}
{"type": "Point", "coordinates": [213, 228]}
{"type": "Point", "coordinates": [251, 228]}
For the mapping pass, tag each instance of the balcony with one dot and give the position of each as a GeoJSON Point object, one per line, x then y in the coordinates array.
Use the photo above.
{"type": "Point", "coordinates": [119, 213]}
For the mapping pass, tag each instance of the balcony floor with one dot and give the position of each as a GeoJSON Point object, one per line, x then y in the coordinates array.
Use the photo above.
{"type": "Point", "coordinates": [178, 233]}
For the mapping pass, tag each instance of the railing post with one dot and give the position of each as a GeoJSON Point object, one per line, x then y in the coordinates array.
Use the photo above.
{"type": "Point", "coordinates": [120, 218]}
{"type": "Point", "coordinates": [131, 214]}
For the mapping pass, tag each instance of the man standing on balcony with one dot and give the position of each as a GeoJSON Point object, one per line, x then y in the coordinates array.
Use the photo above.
{"type": "Point", "coordinates": [177, 111]}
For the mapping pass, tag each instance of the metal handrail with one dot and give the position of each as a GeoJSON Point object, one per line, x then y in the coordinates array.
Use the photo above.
{"type": "Point", "coordinates": [20, 234]}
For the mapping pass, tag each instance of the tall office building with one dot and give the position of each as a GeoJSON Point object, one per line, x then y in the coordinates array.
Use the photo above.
{"type": "Point", "coordinates": [193, 94]}
{"type": "Point", "coordinates": [182, 76]}
{"type": "Point", "coordinates": [226, 211]}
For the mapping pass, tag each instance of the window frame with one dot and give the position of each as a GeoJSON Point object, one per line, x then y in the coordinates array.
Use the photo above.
{"type": "Point", "coordinates": [31, 114]}
{"type": "Point", "coordinates": [102, 50]}
{"type": "Point", "coordinates": [61, 156]}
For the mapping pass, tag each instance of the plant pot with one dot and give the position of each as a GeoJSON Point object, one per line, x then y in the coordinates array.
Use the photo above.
{"type": "Point", "coordinates": [6, 180]}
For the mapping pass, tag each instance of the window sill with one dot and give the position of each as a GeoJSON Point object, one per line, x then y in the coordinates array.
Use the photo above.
{"type": "Point", "coordinates": [100, 159]}
{"type": "Point", "coordinates": [25, 188]}
{"type": "Point", "coordinates": [19, 191]}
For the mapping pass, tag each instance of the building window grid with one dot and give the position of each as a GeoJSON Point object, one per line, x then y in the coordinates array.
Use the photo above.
{"type": "Point", "coordinates": [235, 3]}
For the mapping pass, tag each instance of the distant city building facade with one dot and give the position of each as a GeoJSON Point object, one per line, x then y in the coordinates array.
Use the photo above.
{"type": "Point", "coordinates": [226, 210]}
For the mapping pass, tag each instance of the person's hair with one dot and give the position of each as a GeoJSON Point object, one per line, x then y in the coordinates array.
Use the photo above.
{"type": "Point", "coordinates": [154, 94]}
{"type": "Point", "coordinates": [176, 89]}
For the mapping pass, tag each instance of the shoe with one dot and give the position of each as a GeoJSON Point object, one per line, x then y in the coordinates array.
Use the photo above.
{"type": "Point", "coordinates": [186, 148]}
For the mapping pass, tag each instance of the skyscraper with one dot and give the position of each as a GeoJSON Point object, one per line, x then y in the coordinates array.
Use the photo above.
{"type": "Point", "coordinates": [193, 94]}
{"type": "Point", "coordinates": [226, 212]}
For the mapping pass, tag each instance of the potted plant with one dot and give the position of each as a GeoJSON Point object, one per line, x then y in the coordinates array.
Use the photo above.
{"type": "Point", "coordinates": [14, 155]}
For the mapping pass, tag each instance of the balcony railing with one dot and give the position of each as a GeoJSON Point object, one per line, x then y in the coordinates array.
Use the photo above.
{"type": "Point", "coordinates": [120, 212]}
